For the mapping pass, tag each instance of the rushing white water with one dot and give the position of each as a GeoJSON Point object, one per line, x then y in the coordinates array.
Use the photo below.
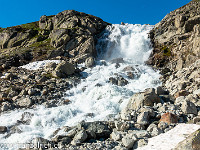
{"type": "Point", "coordinates": [94, 95]}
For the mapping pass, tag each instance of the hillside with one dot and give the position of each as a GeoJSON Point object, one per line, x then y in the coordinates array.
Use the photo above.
{"type": "Point", "coordinates": [70, 34]}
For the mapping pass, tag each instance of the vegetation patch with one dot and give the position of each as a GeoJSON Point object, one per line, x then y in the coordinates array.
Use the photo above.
{"type": "Point", "coordinates": [45, 43]}
{"type": "Point", "coordinates": [166, 51]}
{"type": "Point", "coordinates": [33, 25]}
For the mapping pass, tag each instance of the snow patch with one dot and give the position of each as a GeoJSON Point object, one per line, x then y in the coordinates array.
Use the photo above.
{"type": "Point", "coordinates": [38, 64]}
{"type": "Point", "coordinates": [169, 140]}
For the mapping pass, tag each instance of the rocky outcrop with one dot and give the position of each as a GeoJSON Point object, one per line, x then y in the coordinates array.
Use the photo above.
{"type": "Point", "coordinates": [177, 53]}
{"type": "Point", "coordinates": [176, 38]}
{"type": "Point", "coordinates": [70, 34]}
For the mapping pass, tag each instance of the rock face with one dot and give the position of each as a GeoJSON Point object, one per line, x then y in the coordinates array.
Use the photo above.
{"type": "Point", "coordinates": [176, 38]}
{"type": "Point", "coordinates": [70, 34]}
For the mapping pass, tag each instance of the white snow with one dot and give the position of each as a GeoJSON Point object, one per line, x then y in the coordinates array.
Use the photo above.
{"type": "Point", "coordinates": [38, 64]}
{"type": "Point", "coordinates": [169, 140]}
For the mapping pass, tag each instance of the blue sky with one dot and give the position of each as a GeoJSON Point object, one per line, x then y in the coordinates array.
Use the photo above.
{"type": "Point", "coordinates": [16, 12]}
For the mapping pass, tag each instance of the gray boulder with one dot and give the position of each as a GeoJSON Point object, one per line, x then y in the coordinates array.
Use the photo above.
{"type": "Point", "coordinates": [80, 137]}
{"type": "Point", "coordinates": [143, 118]}
{"type": "Point", "coordinates": [138, 100]}
{"type": "Point", "coordinates": [24, 102]}
{"type": "Point", "coordinates": [129, 140]}
{"type": "Point", "coordinates": [63, 69]}
{"type": "Point", "coordinates": [189, 108]}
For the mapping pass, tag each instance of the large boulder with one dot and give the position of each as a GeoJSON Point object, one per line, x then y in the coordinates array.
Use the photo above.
{"type": "Point", "coordinates": [147, 98]}
{"type": "Point", "coordinates": [137, 101]}
{"type": "Point", "coordinates": [63, 69]}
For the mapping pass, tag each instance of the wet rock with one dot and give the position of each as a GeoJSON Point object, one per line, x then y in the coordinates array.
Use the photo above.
{"type": "Point", "coordinates": [6, 106]}
{"type": "Point", "coordinates": [3, 129]}
{"type": "Point", "coordinates": [9, 76]}
{"type": "Point", "coordinates": [169, 118]}
{"type": "Point", "coordinates": [128, 69]}
{"type": "Point", "coordinates": [113, 81]}
{"type": "Point", "coordinates": [120, 81]}
{"type": "Point", "coordinates": [130, 75]}
{"type": "Point", "coordinates": [189, 108]}
{"type": "Point", "coordinates": [117, 60]}
{"type": "Point", "coordinates": [90, 62]}
{"type": "Point", "coordinates": [50, 66]}
{"type": "Point", "coordinates": [26, 118]}
{"type": "Point", "coordinates": [15, 129]}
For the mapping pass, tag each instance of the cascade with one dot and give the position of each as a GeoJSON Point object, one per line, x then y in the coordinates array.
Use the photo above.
{"type": "Point", "coordinates": [122, 51]}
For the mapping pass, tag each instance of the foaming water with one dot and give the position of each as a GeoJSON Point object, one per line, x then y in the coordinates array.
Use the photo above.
{"type": "Point", "coordinates": [95, 98]}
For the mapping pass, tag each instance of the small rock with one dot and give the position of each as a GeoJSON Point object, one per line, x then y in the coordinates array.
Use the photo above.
{"type": "Point", "coordinates": [154, 130]}
{"type": "Point", "coordinates": [116, 135]}
{"type": "Point", "coordinates": [140, 143]}
{"type": "Point", "coordinates": [122, 82]}
{"type": "Point", "coordinates": [160, 91]}
{"type": "Point", "coordinates": [128, 141]}
{"type": "Point", "coordinates": [3, 129]}
{"type": "Point", "coordinates": [143, 118]}
{"type": "Point", "coordinates": [130, 75]}
{"type": "Point", "coordinates": [80, 137]}
{"type": "Point", "coordinates": [196, 120]}
{"type": "Point", "coordinates": [189, 108]}
{"type": "Point", "coordinates": [128, 69]}
{"type": "Point", "coordinates": [24, 102]}
{"type": "Point", "coordinates": [5, 106]}
{"type": "Point", "coordinates": [162, 125]}
{"type": "Point", "coordinates": [181, 93]}
{"type": "Point", "coordinates": [89, 62]}
{"type": "Point", "coordinates": [121, 126]}
{"type": "Point", "coordinates": [31, 91]}
{"type": "Point", "coordinates": [9, 76]}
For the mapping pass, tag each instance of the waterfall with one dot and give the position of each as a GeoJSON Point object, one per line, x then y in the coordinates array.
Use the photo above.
{"type": "Point", "coordinates": [122, 51]}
